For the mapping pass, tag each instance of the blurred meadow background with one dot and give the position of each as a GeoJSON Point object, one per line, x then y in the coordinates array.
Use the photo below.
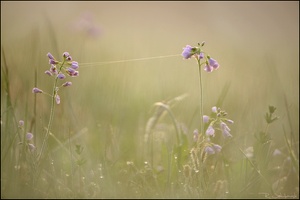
{"type": "Point", "coordinates": [106, 110]}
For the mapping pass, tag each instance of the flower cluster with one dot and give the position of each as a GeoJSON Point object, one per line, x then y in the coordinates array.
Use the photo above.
{"type": "Point", "coordinates": [213, 148]}
{"type": "Point", "coordinates": [59, 70]}
{"type": "Point", "coordinates": [28, 137]}
{"type": "Point", "coordinates": [210, 63]}
{"type": "Point", "coordinates": [220, 119]}
{"type": "Point", "coordinates": [87, 25]}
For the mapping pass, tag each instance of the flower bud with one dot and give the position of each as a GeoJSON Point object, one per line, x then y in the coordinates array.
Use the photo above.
{"type": "Point", "coordinates": [50, 56]}
{"type": "Point", "coordinates": [37, 90]}
{"type": "Point", "coordinates": [29, 136]}
{"type": "Point", "coordinates": [48, 73]}
{"type": "Point", "coordinates": [21, 123]}
{"type": "Point", "coordinates": [67, 84]}
{"type": "Point", "coordinates": [66, 54]}
{"type": "Point", "coordinates": [61, 76]}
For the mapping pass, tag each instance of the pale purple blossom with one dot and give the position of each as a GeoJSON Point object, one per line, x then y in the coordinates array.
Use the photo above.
{"type": "Point", "coordinates": [217, 148]}
{"type": "Point", "coordinates": [86, 24]}
{"type": "Point", "coordinates": [57, 99]}
{"type": "Point", "coordinates": [229, 121]}
{"type": "Point", "coordinates": [225, 130]}
{"type": "Point", "coordinates": [210, 131]}
{"type": "Point", "coordinates": [52, 61]}
{"type": "Point", "coordinates": [21, 123]}
{"type": "Point", "coordinates": [214, 109]}
{"type": "Point", "coordinates": [74, 65]}
{"type": "Point", "coordinates": [48, 73]}
{"type": "Point", "coordinates": [94, 31]}
{"type": "Point", "coordinates": [277, 152]}
{"type": "Point", "coordinates": [53, 69]}
{"type": "Point", "coordinates": [66, 84]}
{"type": "Point", "coordinates": [187, 52]}
{"type": "Point", "coordinates": [37, 90]}
{"type": "Point", "coordinates": [71, 72]}
{"type": "Point", "coordinates": [50, 56]}
{"type": "Point", "coordinates": [76, 73]}
{"type": "Point", "coordinates": [196, 134]}
{"type": "Point", "coordinates": [29, 136]}
{"type": "Point", "coordinates": [201, 55]}
{"type": "Point", "coordinates": [212, 62]}
{"type": "Point", "coordinates": [69, 58]}
{"type": "Point", "coordinates": [208, 68]}
{"type": "Point", "coordinates": [66, 54]}
{"type": "Point", "coordinates": [224, 126]}
{"type": "Point", "coordinates": [209, 150]}
{"type": "Point", "coordinates": [205, 118]}
{"type": "Point", "coordinates": [214, 148]}
{"type": "Point", "coordinates": [61, 76]}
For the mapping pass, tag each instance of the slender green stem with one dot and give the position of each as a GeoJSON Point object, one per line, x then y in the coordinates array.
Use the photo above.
{"type": "Point", "coordinates": [51, 114]}
{"type": "Point", "coordinates": [50, 119]}
{"type": "Point", "coordinates": [201, 98]}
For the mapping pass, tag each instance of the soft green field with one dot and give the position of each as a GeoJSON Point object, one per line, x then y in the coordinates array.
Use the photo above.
{"type": "Point", "coordinates": [106, 110]}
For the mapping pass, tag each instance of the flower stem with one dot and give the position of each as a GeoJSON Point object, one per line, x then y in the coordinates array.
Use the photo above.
{"type": "Point", "coordinates": [201, 98]}
{"type": "Point", "coordinates": [50, 119]}
{"type": "Point", "coordinates": [51, 114]}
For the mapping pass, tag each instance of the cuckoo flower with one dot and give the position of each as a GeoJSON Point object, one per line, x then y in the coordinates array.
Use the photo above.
{"type": "Point", "coordinates": [60, 69]}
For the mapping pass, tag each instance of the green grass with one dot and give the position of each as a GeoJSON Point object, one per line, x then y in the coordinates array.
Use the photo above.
{"type": "Point", "coordinates": [125, 129]}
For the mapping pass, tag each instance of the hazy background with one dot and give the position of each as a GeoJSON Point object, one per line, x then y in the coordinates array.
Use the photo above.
{"type": "Point", "coordinates": [256, 44]}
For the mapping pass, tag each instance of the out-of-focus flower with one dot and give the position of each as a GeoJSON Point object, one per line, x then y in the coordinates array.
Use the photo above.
{"type": "Point", "coordinates": [210, 131]}
{"type": "Point", "coordinates": [225, 130]}
{"type": "Point", "coordinates": [205, 118]}
{"type": "Point", "coordinates": [37, 90]}
{"type": "Point", "coordinates": [29, 136]}
{"type": "Point", "coordinates": [277, 152]}
{"type": "Point", "coordinates": [209, 150]}
{"type": "Point", "coordinates": [87, 25]}
{"type": "Point", "coordinates": [249, 152]}
{"type": "Point", "coordinates": [31, 147]}
{"type": "Point", "coordinates": [214, 109]}
{"type": "Point", "coordinates": [21, 123]}
{"type": "Point", "coordinates": [213, 148]}
{"type": "Point", "coordinates": [57, 99]}
{"type": "Point", "coordinates": [196, 135]}
{"type": "Point", "coordinates": [229, 121]}
{"type": "Point", "coordinates": [217, 148]}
